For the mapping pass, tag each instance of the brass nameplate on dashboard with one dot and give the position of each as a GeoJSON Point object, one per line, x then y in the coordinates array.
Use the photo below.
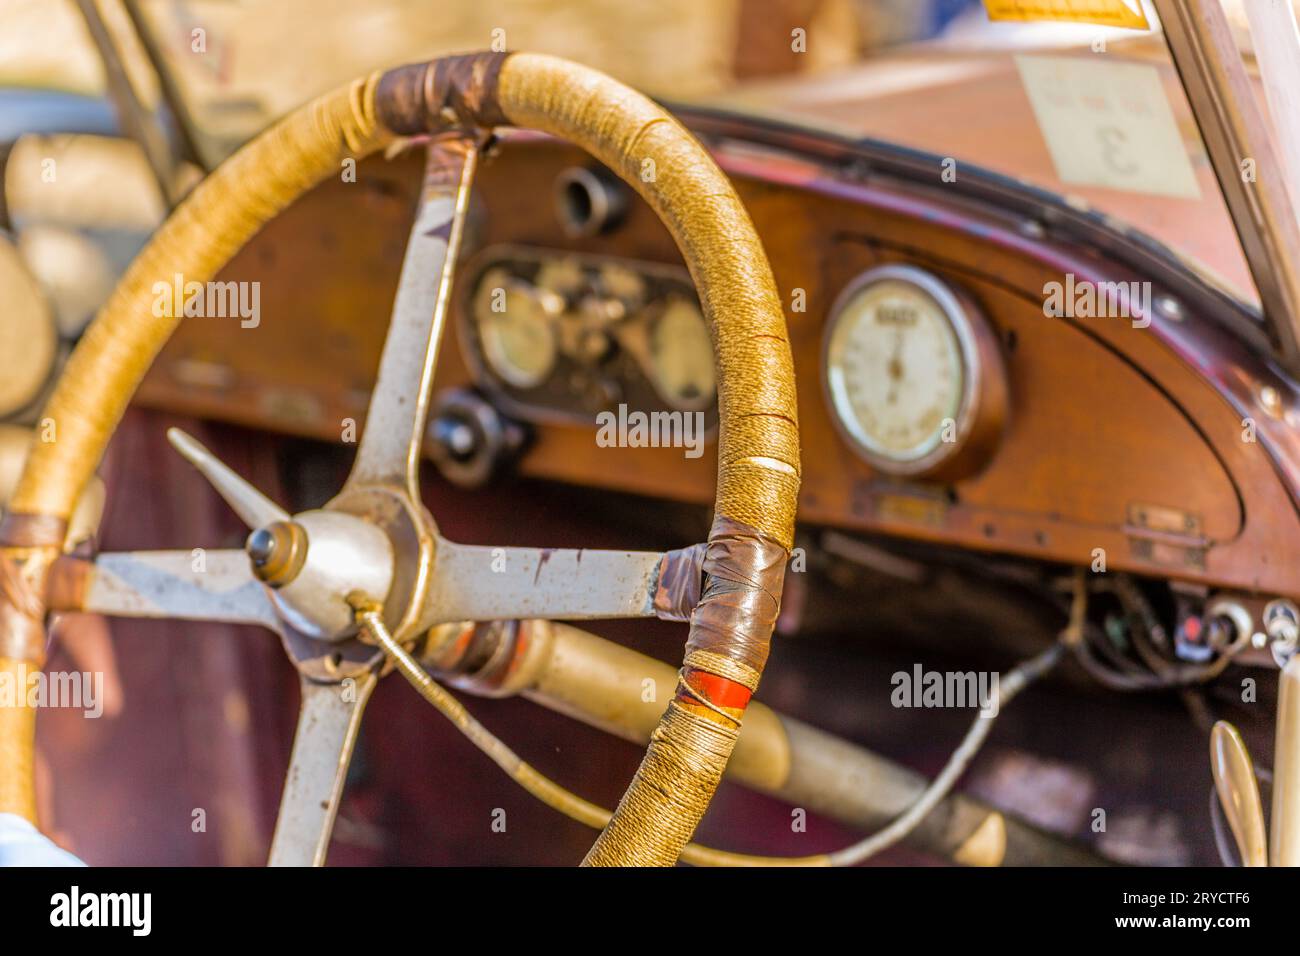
{"type": "Point", "coordinates": [1166, 536]}
{"type": "Point", "coordinates": [1109, 13]}
{"type": "Point", "coordinates": [1165, 520]}
{"type": "Point", "coordinates": [902, 507]}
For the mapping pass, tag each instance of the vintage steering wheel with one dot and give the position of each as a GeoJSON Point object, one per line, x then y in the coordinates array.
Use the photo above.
{"type": "Point", "coordinates": [300, 575]}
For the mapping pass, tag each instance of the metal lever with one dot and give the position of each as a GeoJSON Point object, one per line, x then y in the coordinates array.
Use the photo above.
{"type": "Point", "coordinates": [1234, 779]}
{"type": "Point", "coordinates": [1284, 838]}
{"type": "Point", "coordinates": [254, 508]}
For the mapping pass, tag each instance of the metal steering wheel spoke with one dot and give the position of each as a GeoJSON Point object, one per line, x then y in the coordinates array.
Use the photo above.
{"type": "Point", "coordinates": [477, 583]}
{"type": "Point", "coordinates": [328, 724]}
{"type": "Point", "coordinates": [390, 446]}
{"type": "Point", "coordinates": [199, 585]}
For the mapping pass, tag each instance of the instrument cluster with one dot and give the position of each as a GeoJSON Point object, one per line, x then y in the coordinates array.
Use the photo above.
{"type": "Point", "coordinates": [558, 335]}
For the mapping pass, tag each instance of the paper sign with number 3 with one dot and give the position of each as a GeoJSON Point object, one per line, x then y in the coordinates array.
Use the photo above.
{"type": "Point", "coordinates": [1108, 123]}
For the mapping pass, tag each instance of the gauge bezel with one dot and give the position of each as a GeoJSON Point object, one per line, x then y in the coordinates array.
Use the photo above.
{"type": "Point", "coordinates": [981, 413]}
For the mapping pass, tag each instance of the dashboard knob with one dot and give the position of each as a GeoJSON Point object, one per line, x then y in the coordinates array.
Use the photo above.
{"type": "Point", "coordinates": [469, 440]}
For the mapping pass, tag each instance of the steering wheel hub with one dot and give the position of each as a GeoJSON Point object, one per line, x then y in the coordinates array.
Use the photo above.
{"type": "Point", "coordinates": [314, 562]}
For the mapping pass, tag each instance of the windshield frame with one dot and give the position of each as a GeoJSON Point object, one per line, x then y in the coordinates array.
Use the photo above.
{"type": "Point", "coordinates": [1233, 129]}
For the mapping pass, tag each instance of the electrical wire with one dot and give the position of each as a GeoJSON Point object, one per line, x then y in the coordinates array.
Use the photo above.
{"type": "Point", "coordinates": [1148, 638]}
{"type": "Point", "coordinates": [1008, 686]}
{"type": "Point", "coordinates": [1113, 670]}
{"type": "Point", "coordinates": [369, 615]}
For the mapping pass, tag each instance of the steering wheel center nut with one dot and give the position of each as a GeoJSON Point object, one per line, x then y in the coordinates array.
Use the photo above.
{"type": "Point", "coordinates": [277, 552]}
{"type": "Point", "coordinates": [314, 561]}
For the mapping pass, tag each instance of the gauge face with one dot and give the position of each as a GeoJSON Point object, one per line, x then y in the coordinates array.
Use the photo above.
{"type": "Point", "coordinates": [516, 328]}
{"type": "Point", "coordinates": [682, 357]}
{"type": "Point", "coordinates": [903, 369]}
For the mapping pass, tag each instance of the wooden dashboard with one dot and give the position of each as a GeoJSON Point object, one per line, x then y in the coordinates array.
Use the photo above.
{"type": "Point", "coordinates": [1119, 442]}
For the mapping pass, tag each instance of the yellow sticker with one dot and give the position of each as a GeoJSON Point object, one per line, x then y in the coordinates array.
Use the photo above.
{"type": "Point", "coordinates": [1110, 13]}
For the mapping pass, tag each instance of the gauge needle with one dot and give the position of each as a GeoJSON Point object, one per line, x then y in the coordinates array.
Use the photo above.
{"type": "Point", "coordinates": [895, 369]}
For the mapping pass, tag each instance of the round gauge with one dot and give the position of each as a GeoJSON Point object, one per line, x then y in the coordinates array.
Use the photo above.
{"type": "Point", "coordinates": [515, 325]}
{"type": "Point", "coordinates": [681, 356]}
{"type": "Point", "coordinates": [914, 374]}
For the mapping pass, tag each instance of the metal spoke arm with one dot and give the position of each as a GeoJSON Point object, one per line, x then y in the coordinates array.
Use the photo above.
{"type": "Point", "coordinates": [475, 583]}
{"type": "Point", "coordinates": [394, 430]}
{"type": "Point", "coordinates": [198, 585]}
{"type": "Point", "coordinates": [328, 724]}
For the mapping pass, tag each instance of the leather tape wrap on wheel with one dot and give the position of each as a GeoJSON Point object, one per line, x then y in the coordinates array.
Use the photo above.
{"type": "Point", "coordinates": [741, 574]}
{"type": "Point", "coordinates": [758, 453]}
